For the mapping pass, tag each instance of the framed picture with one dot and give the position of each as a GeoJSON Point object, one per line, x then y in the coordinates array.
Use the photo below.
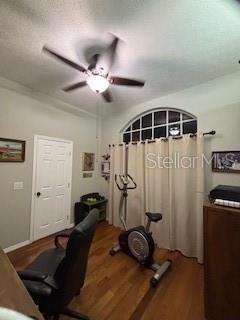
{"type": "Point", "coordinates": [226, 161]}
{"type": "Point", "coordinates": [87, 174]}
{"type": "Point", "coordinates": [12, 150]}
{"type": "Point", "coordinates": [105, 167]}
{"type": "Point", "coordinates": [88, 161]}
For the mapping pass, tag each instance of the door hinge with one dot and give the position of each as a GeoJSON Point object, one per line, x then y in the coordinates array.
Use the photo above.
{"type": "Point", "coordinates": [67, 217]}
{"type": "Point", "coordinates": [68, 184]}
{"type": "Point", "coordinates": [70, 153]}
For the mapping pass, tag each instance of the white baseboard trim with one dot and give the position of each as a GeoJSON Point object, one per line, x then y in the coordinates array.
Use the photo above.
{"type": "Point", "coordinates": [17, 246]}
{"type": "Point", "coordinates": [26, 242]}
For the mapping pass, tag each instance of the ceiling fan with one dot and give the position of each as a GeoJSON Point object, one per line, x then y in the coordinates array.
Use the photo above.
{"type": "Point", "coordinates": [98, 77]}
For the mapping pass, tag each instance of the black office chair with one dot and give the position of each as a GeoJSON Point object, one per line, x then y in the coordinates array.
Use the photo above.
{"type": "Point", "coordinates": [57, 275]}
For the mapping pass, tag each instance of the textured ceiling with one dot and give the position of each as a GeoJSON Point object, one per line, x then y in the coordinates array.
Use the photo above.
{"type": "Point", "coordinates": [172, 44]}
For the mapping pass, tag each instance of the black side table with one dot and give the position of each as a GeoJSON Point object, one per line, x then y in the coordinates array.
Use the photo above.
{"type": "Point", "coordinates": [83, 207]}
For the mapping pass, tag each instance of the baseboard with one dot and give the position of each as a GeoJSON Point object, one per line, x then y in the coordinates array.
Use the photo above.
{"type": "Point", "coordinates": [17, 246]}
{"type": "Point", "coordinates": [24, 243]}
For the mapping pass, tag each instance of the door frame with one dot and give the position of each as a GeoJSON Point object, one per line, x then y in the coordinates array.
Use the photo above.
{"type": "Point", "coordinates": [33, 198]}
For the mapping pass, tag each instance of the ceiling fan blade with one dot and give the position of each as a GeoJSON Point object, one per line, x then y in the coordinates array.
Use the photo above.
{"type": "Point", "coordinates": [107, 58]}
{"type": "Point", "coordinates": [75, 86]}
{"type": "Point", "coordinates": [107, 96]}
{"type": "Point", "coordinates": [126, 82]}
{"type": "Point", "coordinates": [65, 60]}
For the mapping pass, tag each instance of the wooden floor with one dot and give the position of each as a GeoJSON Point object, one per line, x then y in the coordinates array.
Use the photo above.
{"type": "Point", "coordinates": [116, 288]}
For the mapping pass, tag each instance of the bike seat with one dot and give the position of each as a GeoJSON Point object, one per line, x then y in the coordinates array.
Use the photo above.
{"type": "Point", "coordinates": [154, 217]}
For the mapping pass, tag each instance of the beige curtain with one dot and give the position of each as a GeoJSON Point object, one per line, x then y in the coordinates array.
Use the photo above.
{"type": "Point", "coordinates": [136, 197]}
{"type": "Point", "coordinates": [169, 177]}
{"type": "Point", "coordinates": [157, 188]}
{"type": "Point", "coordinates": [118, 166]}
{"type": "Point", "coordinates": [186, 193]}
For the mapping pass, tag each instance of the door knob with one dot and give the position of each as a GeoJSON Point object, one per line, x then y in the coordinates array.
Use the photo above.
{"type": "Point", "coordinates": [38, 194]}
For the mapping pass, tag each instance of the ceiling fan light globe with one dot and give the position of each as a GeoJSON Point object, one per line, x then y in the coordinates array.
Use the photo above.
{"type": "Point", "coordinates": [97, 83]}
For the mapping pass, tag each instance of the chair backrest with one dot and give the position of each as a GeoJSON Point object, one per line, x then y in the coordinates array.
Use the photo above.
{"type": "Point", "coordinates": [71, 272]}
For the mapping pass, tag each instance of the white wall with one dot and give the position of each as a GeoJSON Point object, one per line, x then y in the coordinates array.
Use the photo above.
{"type": "Point", "coordinates": [216, 104]}
{"type": "Point", "coordinates": [21, 117]}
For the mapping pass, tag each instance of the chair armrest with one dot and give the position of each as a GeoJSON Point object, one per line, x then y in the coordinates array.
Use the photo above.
{"type": "Point", "coordinates": [32, 275]}
{"type": "Point", "coordinates": [62, 235]}
{"type": "Point", "coordinates": [38, 277]}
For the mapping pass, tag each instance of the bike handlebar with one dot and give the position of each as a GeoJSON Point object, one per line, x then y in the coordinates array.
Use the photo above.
{"type": "Point", "coordinates": [125, 187]}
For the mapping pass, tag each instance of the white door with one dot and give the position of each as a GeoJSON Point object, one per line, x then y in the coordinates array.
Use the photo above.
{"type": "Point", "coordinates": [52, 186]}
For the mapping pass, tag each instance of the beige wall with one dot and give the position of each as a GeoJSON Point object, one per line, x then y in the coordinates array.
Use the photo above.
{"type": "Point", "coordinates": [226, 122]}
{"type": "Point", "coordinates": [21, 117]}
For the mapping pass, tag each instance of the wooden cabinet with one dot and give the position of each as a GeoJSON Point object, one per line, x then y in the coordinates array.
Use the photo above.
{"type": "Point", "coordinates": [221, 262]}
{"type": "Point", "coordinates": [13, 294]}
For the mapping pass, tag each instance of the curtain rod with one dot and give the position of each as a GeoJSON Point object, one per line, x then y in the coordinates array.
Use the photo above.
{"type": "Point", "coordinates": [211, 133]}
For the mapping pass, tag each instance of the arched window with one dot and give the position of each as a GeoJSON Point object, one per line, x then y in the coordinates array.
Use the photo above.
{"type": "Point", "coordinates": [159, 123]}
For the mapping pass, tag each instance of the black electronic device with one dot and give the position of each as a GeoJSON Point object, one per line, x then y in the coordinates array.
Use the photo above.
{"type": "Point", "coordinates": [224, 192]}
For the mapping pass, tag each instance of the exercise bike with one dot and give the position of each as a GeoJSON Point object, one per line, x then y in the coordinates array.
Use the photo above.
{"type": "Point", "coordinates": [138, 242]}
